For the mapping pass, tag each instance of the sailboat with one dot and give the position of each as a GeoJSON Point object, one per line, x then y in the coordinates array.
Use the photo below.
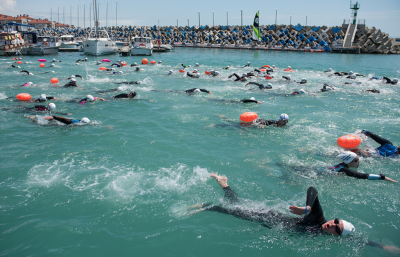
{"type": "Point", "coordinates": [256, 29]}
{"type": "Point", "coordinates": [98, 41]}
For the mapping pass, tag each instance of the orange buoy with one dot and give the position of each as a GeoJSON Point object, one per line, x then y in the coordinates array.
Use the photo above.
{"type": "Point", "coordinates": [264, 70]}
{"type": "Point", "coordinates": [145, 61]}
{"type": "Point", "coordinates": [24, 97]}
{"type": "Point", "coordinates": [269, 76]}
{"type": "Point", "coordinates": [153, 62]}
{"type": "Point", "coordinates": [207, 72]}
{"type": "Point", "coordinates": [248, 116]}
{"type": "Point", "coordinates": [349, 141]}
{"type": "Point", "coordinates": [19, 62]}
{"type": "Point", "coordinates": [54, 80]}
{"type": "Point", "coordinates": [41, 65]}
{"type": "Point", "coordinates": [102, 68]}
{"type": "Point", "coordinates": [266, 66]}
{"type": "Point", "coordinates": [124, 64]}
{"type": "Point", "coordinates": [182, 71]}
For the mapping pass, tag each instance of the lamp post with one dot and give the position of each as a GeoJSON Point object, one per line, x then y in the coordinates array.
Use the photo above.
{"type": "Point", "coordinates": [290, 20]}
{"type": "Point", "coordinates": [241, 18]}
{"type": "Point", "coordinates": [213, 18]}
{"type": "Point", "coordinates": [306, 20]}
{"type": "Point", "coordinates": [188, 22]}
{"type": "Point", "coordinates": [199, 19]}
{"type": "Point", "coordinates": [227, 23]}
{"type": "Point", "coordinates": [176, 23]}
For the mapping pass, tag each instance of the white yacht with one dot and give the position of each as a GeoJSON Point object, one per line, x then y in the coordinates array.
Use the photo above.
{"type": "Point", "coordinates": [141, 46]}
{"type": "Point", "coordinates": [98, 42]}
{"type": "Point", "coordinates": [68, 44]}
{"type": "Point", "coordinates": [43, 45]}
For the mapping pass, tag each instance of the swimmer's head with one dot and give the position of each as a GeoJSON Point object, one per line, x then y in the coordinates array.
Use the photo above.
{"type": "Point", "coordinates": [54, 59]}
{"type": "Point", "coordinates": [216, 73]}
{"type": "Point", "coordinates": [72, 80]}
{"type": "Point", "coordinates": [98, 62]}
{"type": "Point", "coordinates": [269, 85]}
{"type": "Point", "coordinates": [302, 91]}
{"type": "Point", "coordinates": [85, 120]}
{"type": "Point", "coordinates": [85, 59]}
{"type": "Point", "coordinates": [348, 157]}
{"type": "Point", "coordinates": [132, 94]}
{"type": "Point", "coordinates": [89, 98]}
{"type": "Point", "coordinates": [29, 84]}
{"type": "Point", "coordinates": [51, 106]}
{"type": "Point", "coordinates": [303, 80]}
{"type": "Point", "coordinates": [289, 67]}
{"type": "Point", "coordinates": [170, 72]}
{"type": "Point", "coordinates": [120, 88]}
{"type": "Point", "coordinates": [248, 63]}
{"type": "Point", "coordinates": [395, 80]}
{"type": "Point", "coordinates": [159, 62]}
{"type": "Point", "coordinates": [135, 63]}
{"type": "Point", "coordinates": [351, 73]}
{"type": "Point", "coordinates": [329, 88]}
{"type": "Point", "coordinates": [139, 82]}
{"type": "Point", "coordinates": [72, 76]}
{"type": "Point", "coordinates": [244, 74]}
{"type": "Point", "coordinates": [353, 76]}
{"type": "Point", "coordinates": [252, 98]}
{"type": "Point", "coordinates": [42, 98]}
{"type": "Point", "coordinates": [284, 116]}
{"type": "Point", "coordinates": [273, 66]}
{"type": "Point", "coordinates": [196, 64]}
{"type": "Point", "coordinates": [212, 71]}
{"type": "Point", "coordinates": [338, 227]}
{"type": "Point", "coordinates": [52, 65]}
{"type": "Point", "coordinates": [197, 90]}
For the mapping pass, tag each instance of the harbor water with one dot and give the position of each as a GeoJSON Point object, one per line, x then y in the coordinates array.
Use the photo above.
{"type": "Point", "coordinates": [121, 185]}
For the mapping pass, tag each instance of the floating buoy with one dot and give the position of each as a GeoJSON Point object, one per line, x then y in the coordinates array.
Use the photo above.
{"type": "Point", "coordinates": [182, 71]}
{"type": "Point", "coordinates": [269, 76]}
{"type": "Point", "coordinates": [102, 68]}
{"type": "Point", "coordinates": [266, 66]}
{"type": "Point", "coordinates": [19, 62]}
{"type": "Point", "coordinates": [41, 65]}
{"type": "Point", "coordinates": [153, 62]}
{"type": "Point", "coordinates": [264, 70]}
{"type": "Point", "coordinates": [145, 61]}
{"type": "Point", "coordinates": [349, 141]}
{"type": "Point", "coordinates": [54, 80]}
{"type": "Point", "coordinates": [42, 60]}
{"type": "Point", "coordinates": [207, 72]}
{"type": "Point", "coordinates": [289, 70]}
{"type": "Point", "coordinates": [248, 116]}
{"type": "Point", "coordinates": [124, 64]}
{"type": "Point", "coordinates": [24, 97]}
{"type": "Point", "coordinates": [105, 60]}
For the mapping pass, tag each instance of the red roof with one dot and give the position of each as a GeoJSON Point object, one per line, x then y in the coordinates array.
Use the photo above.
{"type": "Point", "coordinates": [39, 21]}
{"type": "Point", "coordinates": [7, 17]}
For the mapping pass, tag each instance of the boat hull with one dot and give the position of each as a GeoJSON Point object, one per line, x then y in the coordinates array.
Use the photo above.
{"type": "Point", "coordinates": [141, 51]}
{"type": "Point", "coordinates": [99, 47]}
{"type": "Point", "coordinates": [39, 50]}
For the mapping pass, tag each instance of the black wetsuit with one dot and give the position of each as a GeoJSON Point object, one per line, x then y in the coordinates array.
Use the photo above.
{"type": "Point", "coordinates": [125, 95]}
{"type": "Point", "coordinates": [117, 64]}
{"type": "Point", "coordinates": [374, 91]}
{"type": "Point", "coordinates": [26, 72]}
{"type": "Point", "coordinates": [38, 108]}
{"type": "Point", "coordinates": [388, 81]}
{"type": "Point", "coordinates": [108, 90]}
{"type": "Point", "coordinates": [128, 82]}
{"type": "Point", "coordinates": [248, 101]}
{"type": "Point", "coordinates": [65, 120]}
{"type": "Point", "coordinates": [261, 86]}
{"type": "Point", "coordinates": [285, 77]}
{"type": "Point", "coordinates": [47, 98]}
{"type": "Point", "coordinates": [264, 122]}
{"type": "Point", "coordinates": [311, 221]}
{"type": "Point", "coordinates": [193, 89]}
{"type": "Point", "coordinates": [71, 84]}
{"type": "Point", "coordinates": [192, 75]}
{"type": "Point", "coordinates": [238, 78]}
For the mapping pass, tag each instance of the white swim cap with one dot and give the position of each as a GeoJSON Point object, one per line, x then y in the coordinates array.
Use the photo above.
{"type": "Point", "coordinates": [139, 82]}
{"type": "Point", "coordinates": [211, 71]}
{"type": "Point", "coordinates": [54, 59]}
{"type": "Point", "coordinates": [252, 98]}
{"type": "Point", "coordinates": [301, 91]}
{"type": "Point", "coordinates": [348, 228]}
{"type": "Point", "coordinates": [284, 116]}
{"type": "Point", "coordinates": [72, 76]}
{"type": "Point", "coordinates": [273, 66]}
{"type": "Point", "coordinates": [29, 83]}
{"type": "Point", "coordinates": [217, 72]}
{"type": "Point", "coordinates": [329, 88]}
{"type": "Point", "coordinates": [350, 73]}
{"type": "Point", "coordinates": [51, 106]}
{"type": "Point", "coordinates": [159, 61]}
{"type": "Point", "coordinates": [197, 64]}
{"type": "Point", "coordinates": [85, 58]}
{"type": "Point", "coordinates": [248, 62]}
{"type": "Point", "coordinates": [52, 65]}
{"type": "Point", "coordinates": [120, 88]}
{"type": "Point", "coordinates": [289, 67]}
{"type": "Point", "coordinates": [134, 63]}
{"type": "Point", "coordinates": [330, 69]}
{"type": "Point", "coordinates": [395, 80]}
{"type": "Point", "coordinates": [89, 98]}
{"type": "Point", "coordinates": [197, 90]}
{"type": "Point", "coordinates": [244, 74]}
{"type": "Point", "coordinates": [269, 85]}
{"type": "Point", "coordinates": [72, 80]}
{"type": "Point", "coordinates": [347, 157]}
{"type": "Point", "coordinates": [43, 97]}
{"type": "Point", "coordinates": [303, 80]}
{"type": "Point", "coordinates": [85, 120]}
{"type": "Point", "coordinates": [353, 76]}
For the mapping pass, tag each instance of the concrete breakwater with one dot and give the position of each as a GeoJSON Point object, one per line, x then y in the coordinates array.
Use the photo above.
{"type": "Point", "coordinates": [370, 40]}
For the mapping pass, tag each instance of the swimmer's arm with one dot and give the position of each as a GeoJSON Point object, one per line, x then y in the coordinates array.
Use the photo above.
{"type": "Point", "coordinates": [205, 91]}
{"type": "Point", "coordinates": [376, 138]}
{"type": "Point", "coordinates": [51, 97]}
{"type": "Point", "coordinates": [389, 248]}
{"type": "Point", "coordinates": [99, 98]}
{"type": "Point", "coordinates": [299, 210]}
{"type": "Point", "coordinates": [60, 119]}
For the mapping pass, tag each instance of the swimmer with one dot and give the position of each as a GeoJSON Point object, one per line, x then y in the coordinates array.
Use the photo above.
{"type": "Point", "coordinates": [386, 80]}
{"type": "Point", "coordinates": [247, 64]}
{"type": "Point", "coordinates": [197, 90]}
{"type": "Point", "coordinates": [109, 90]}
{"type": "Point", "coordinates": [117, 72]}
{"type": "Point", "coordinates": [386, 149]}
{"type": "Point", "coordinates": [299, 92]}
{"type": "Point", "coordinates": [251, 74]}
{"type": "Point", "coordinates": [312, 221]}
{"type": "Point", "coordinates": [373, 90]}
{"type": "Point", "coordinates": [326, 88]}
{"type": "Point", "coordinates": [196, 65]}
{"type": "Point", "coordinates": [374, 78]}
{"type": "Point", "coordinates": [40, 108]}
{"type": "Point", "coordinates": [75, 76]}
{"type": "Point", "coordinates": [226, 68]}
{"type": "Point", "coordinates": [170, 72]}
{"type": "Point", "coordinates": [184, 66]}
{"type": "Point", "coordinates": [29, 84]}
{"type": "Point", "coordinates": [27, 72]}
{"type": "Point", "coordinates": [352, 76]}
{"type": "Point", "coordinates": [193, 75]}
{"type": "Point", "coordinates": [81, 60]}
{"type": "Point", "coordinates": [159, 62]}
{"type": "Point", "coordinates": [54, 60]}
{"type": "Point", "coordinates": [329, 70]}
{"type": "Point", "coordinates": [214, 73]}
{"type": "Point", "coordinates": [350, 160]}
{"type": "Point", "coordinates": [238, 78]}
{"type": "Point", "coordinates": [117, 64]}
{"type": "Point", "coordinates": [134, 64]}
{"type": "Point", "coordinates": [138, 69]}
{"type": "Point", "coordinates": [90, 98]}
{"type": "Point", "coordinates": [129, 82]}
{"type": "Point", "coordinates": [44, 98]}
{"type": "Point", "coordinates": [251, 100]}
{"type": "Point", "coordinates": [111, 69]}
{"type": "Point", "coordinates": [302, 81]}
{"type": "Point", "coordinates": [98, 62]}
{"type": "Point", "coordinates": [68, 121]}
{"type": "Point", "coordinates": [287, 77]}
{"type": "Point", "coordinates": [132, 94]}
{"type": "Point", "coordinates": [71, 83]}
{"type": "Point", "coordinates": [13, 66]}
{"type": "Point", "coordinates": [281, 122]}
{"type": "Point", "coordinates": [261, 86]}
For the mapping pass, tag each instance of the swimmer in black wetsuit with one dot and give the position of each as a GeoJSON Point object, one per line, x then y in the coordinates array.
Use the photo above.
{"type": "Point", "coordinates": [247, 64]}
{"type": "Point", "coordinates": [350, 160]}
{"type": "Point", "coordinates": [71, 83]}
{"type": "Point", "coordinates": [27, 72]}
{"type": "Point", "coordinates": [109, 90]}
{"type": "Point", "coordinates": [134, 64]}
{"type": "Point", "coordinates": [132, 94]}
{"type": "Point", "coordinates": [12, 65]}
{"type": "Point", "coordinates": [129, 82]}
{"type": "Point", "coordinates": [261, 86]}
{"type": "Point", "coordinates": [193, 75]}
{"type": "Point", "coordinates": [386, 149]}
{"type": "Point", "coordinates": [238, 78]}
{"type": "Point", "coordinates": [75, 76]}
{"type": "Point", "coordinates": [138, 69]}
{"type": "Point", "coordinates": [68, 121]}
{"type": "Point", "coordinates": [326, 88]}
{"type": "Point", "coordinates": [44, 98]}
{"type": "Point", "coordinates": [197, 90]}
{"type": "Point", "coordinates": [54, 60]}
{"type": "Point", "coordinates": [90, 98]}
{"type": "Point", "coordinates": [390, 81]}
{"type": "Point", "coordinates": [251, 100]}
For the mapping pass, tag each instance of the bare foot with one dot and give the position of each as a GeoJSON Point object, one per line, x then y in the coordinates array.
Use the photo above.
{"type": "Point", "coordinates": [222, 181]}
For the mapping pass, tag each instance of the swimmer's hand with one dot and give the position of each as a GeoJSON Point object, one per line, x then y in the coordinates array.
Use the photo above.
{"type": "Point", "coordinates": [48, 118]}
{"type": "Point", "coordinates": [259, 102]}
{"type": "Point", "coordinates": [299, 210]}
{"type": "Point", "coordinates": [391, 248]}
{"type": "Point", "coordinates": [68, 114]}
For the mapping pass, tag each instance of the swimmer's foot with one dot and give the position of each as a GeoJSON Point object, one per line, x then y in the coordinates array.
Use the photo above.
{"type": "Point", "coordinates": [222, 181]}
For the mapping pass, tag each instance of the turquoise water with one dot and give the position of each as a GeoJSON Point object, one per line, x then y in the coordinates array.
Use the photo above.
{"type": "Point", "coordinates": [120, 186]}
